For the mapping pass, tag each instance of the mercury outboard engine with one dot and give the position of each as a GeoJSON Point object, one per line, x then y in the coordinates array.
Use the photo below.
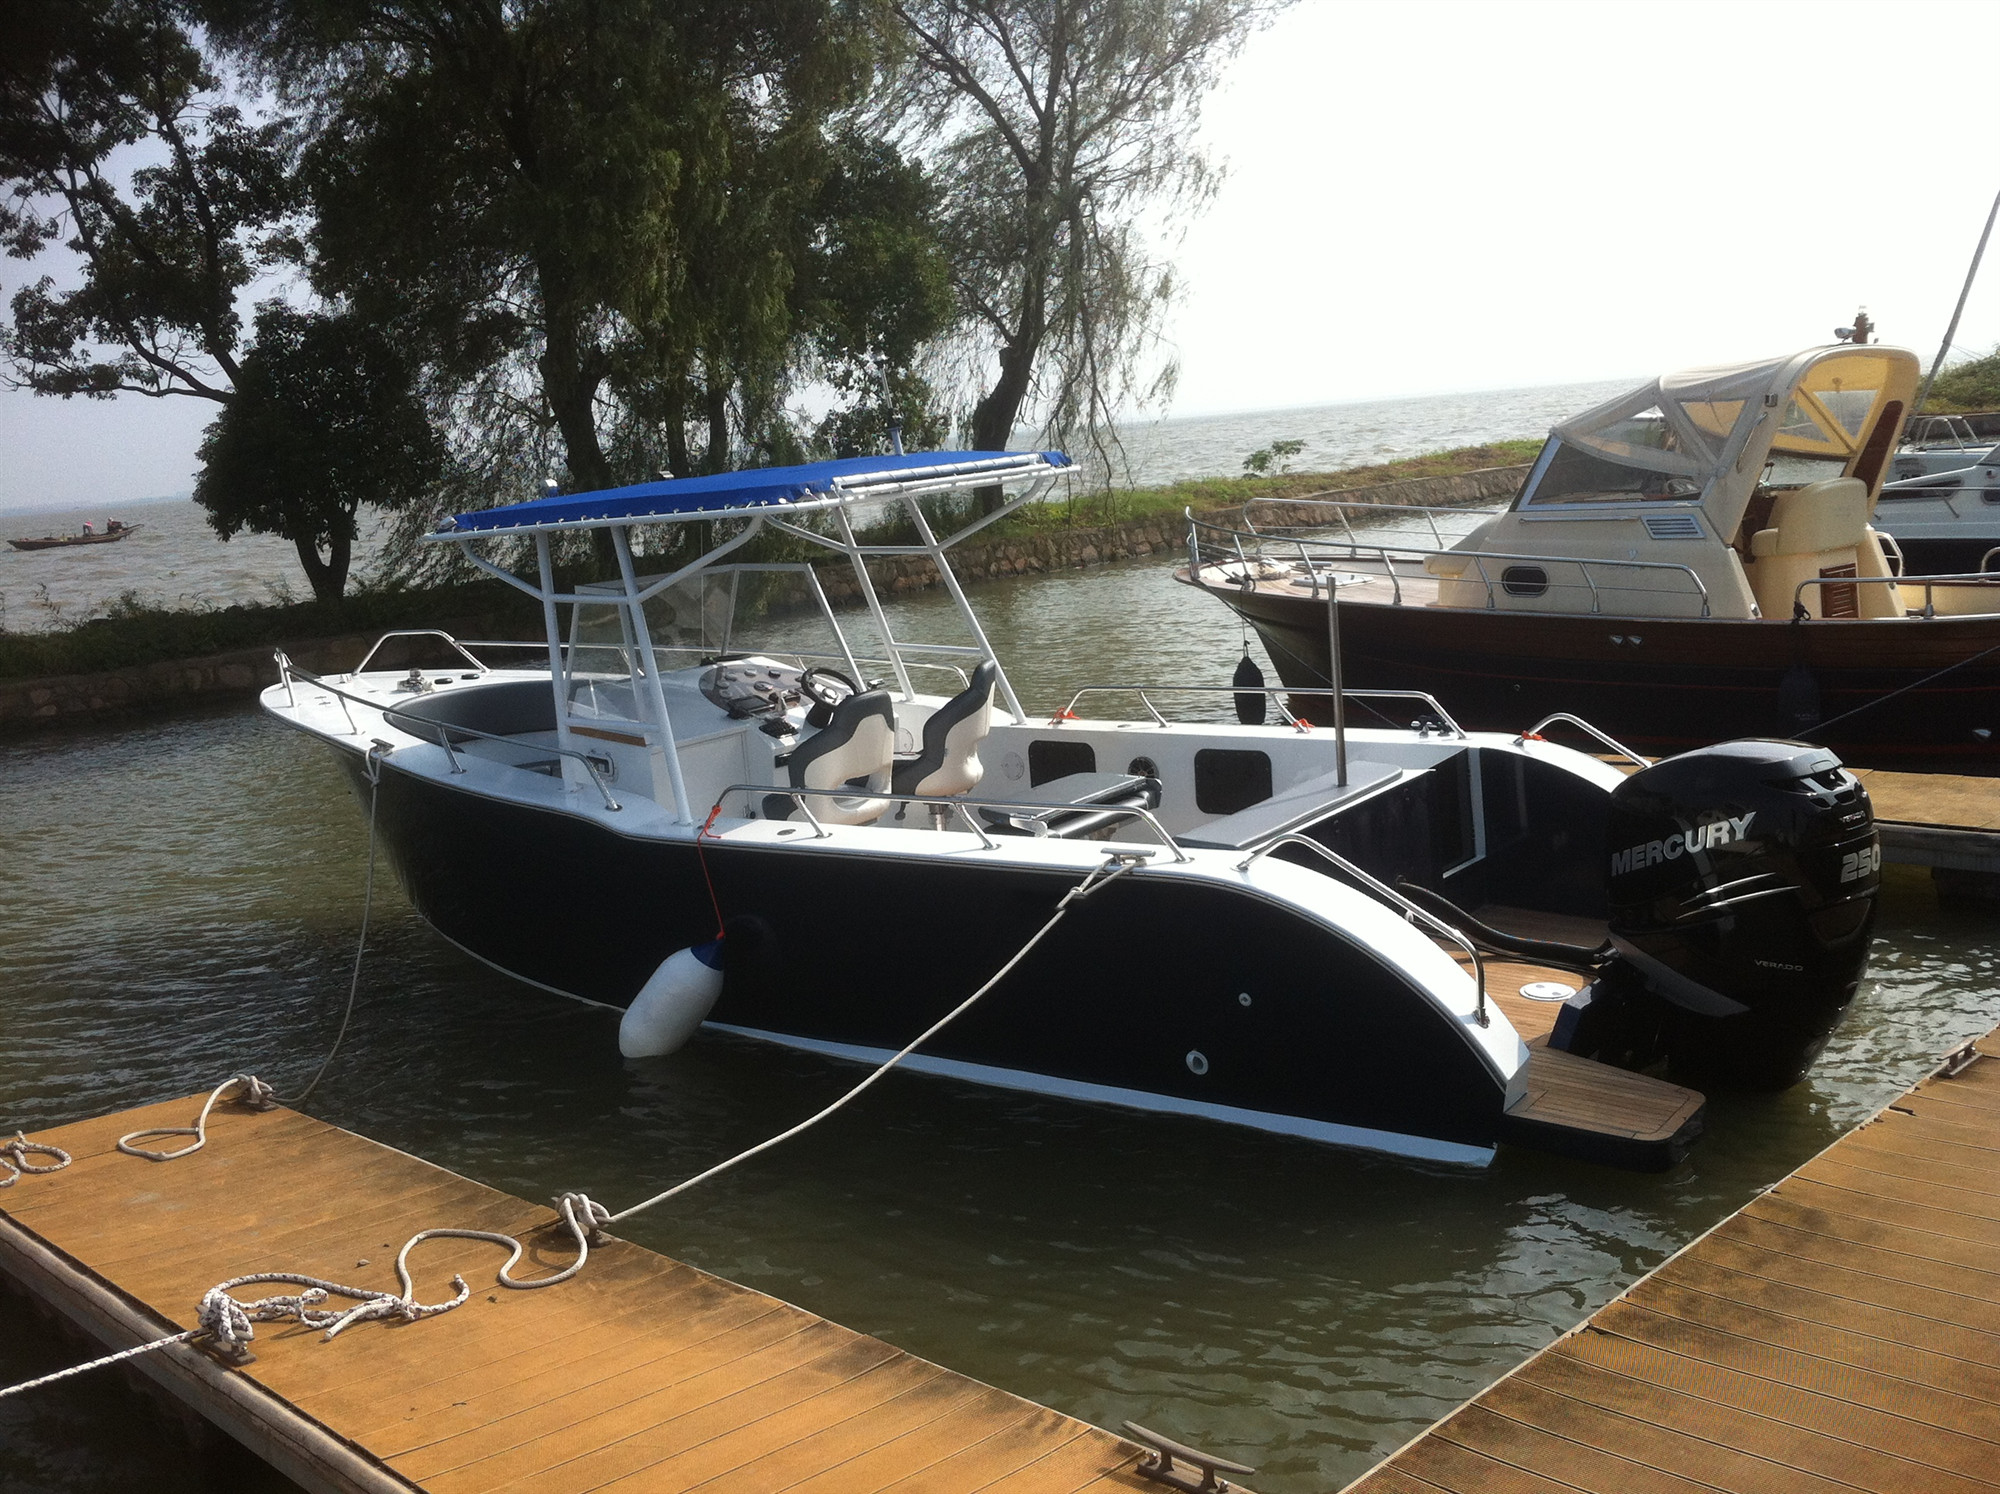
{"type": "Point", "coordinates": [1742, 889]}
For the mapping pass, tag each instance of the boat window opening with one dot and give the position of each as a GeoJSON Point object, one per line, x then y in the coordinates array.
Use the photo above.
{"type": "Point", "coordinates": [1799, 425]}
{"type": "Point", "coordinates": [1048, 761]}
{"type": "Point", "coordinates": [1228, 779]}
{"type": "Point", "coordinates": [1524, 581]}
{"type": "Point", "coordinates": [1713, 417]}
{"type": "Point", "coordinates": [1849, 407]}
{"type": "Point", "coordinates": [1574, 475]}
{"type": "Point", "coordinates": [1795, 469]}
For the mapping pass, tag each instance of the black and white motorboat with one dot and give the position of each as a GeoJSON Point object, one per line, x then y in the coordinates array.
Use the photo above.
{"type": "Point", "coordinates": [1272, 934]}
{"type": "Point", "coordinates": [1946, 519]}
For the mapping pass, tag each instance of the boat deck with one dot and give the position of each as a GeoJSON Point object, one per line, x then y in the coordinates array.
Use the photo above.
{"type": "Point", "coordinates": [1840, 1333]}
{"type": "Point", "coordinates": [1573, 1105]}
{"type": "Point", "coordinates": [640, 1373]}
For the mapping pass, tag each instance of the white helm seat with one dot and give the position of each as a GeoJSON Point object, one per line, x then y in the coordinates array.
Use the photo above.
{"type": "Point", "coordinates": [856, 749]}
{"type": "Point", "coordinates": [948, 762]}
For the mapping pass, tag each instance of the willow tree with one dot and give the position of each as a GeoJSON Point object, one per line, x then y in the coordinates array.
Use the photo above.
{"type": "Point", "coordinates": [580, 211]}
{"type": "Point", "coordinates": [155, 253]}
{"type": "Point", "coordinates": [1063, 130]}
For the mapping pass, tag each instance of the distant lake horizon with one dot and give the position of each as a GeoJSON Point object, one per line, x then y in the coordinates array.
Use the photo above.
{"type": "Point", "coordinates": [176, 560]}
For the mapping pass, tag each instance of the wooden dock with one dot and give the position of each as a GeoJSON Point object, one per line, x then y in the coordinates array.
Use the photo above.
{"type": "Point", "coordinates": [1948, 823]}
{"type": "Point", "coordinates": [639, 1374]}
{"type": "Point", "coordinates": [1840, 1333]}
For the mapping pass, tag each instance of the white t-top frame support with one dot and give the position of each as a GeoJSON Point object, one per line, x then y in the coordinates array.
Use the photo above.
{"type": "Point", "coordinates": [635, 609]}
{"type": "Point", "coordinates": [950, 579]}
{"type": "Point", "coordinates": [572, 771]}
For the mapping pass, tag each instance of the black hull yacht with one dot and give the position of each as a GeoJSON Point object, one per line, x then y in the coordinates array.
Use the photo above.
{"type": "Point", "coordinates": [1301, 930]}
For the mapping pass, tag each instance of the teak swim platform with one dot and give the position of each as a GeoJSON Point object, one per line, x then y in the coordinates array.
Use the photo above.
{"type": "Point", "coordinates": [1840, 1332]}
{"type": "Point", "coordinates": [639, 1374]}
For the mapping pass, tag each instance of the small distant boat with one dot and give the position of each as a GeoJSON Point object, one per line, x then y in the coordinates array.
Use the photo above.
{"type": "Point", "coordinates": [115, 530]}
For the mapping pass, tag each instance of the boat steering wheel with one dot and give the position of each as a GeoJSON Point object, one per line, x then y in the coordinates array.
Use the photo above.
{"type": "Point", "coordinates": [825, 688]}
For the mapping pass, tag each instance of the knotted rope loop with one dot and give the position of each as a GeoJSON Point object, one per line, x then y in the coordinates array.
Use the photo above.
{"type": "Point", "coordinates": [246, 1089]}
{"type": "Point", "coordinates": [14, 1157]}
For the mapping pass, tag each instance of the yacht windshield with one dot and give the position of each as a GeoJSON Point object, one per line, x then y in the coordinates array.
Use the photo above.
{"type": "Point", "coordinates": [1574, 475]}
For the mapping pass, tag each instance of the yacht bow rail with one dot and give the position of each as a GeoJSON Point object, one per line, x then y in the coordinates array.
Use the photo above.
{"type": "Point", "coordinates": [1277, 694]}
{"type": "Point", "coordinates": [1318, 560]}
{"type": "Point", "coordinates": [417, 633]}
{"type": "Point", "coordinates": [1387, 894]}
{"type": "Point", "coordinates": [288, 672]}
{"type": "Point", "coordinates": [1343, 508]}
{"type": "Point", "coordinates": [1982, 579]}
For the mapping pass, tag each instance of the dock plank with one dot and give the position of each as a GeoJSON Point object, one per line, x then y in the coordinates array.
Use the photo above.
{"type": "Point", "coordinates": [641, 1373]}
{"type": "Point", "coordinates": [1839, 1332]}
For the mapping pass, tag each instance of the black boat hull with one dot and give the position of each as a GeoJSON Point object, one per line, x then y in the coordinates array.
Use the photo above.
{"type": "Point", "coordinates": [1139, 992]}
{"type": "Point", "coordinates": [1919, 694]}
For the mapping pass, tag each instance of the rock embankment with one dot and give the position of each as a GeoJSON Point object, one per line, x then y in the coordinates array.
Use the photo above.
{"type": "Point", "coordinates": [81, 698]}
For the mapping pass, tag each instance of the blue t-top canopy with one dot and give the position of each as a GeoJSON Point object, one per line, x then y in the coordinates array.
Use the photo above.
{"type": "Point", "coordinates": [812, 486]}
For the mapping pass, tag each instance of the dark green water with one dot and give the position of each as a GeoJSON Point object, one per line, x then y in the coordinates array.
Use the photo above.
{"type": "Point", "coordinates": [178, 900]}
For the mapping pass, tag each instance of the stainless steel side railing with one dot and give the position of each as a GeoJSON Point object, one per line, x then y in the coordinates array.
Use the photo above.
{"type": "Point", "coordinates": [1277, 694]}
{"type": "Point", "coordinates": [964, 806]}
{"type": "Point", "coordinates": [1984, 579]}
{"type": "Point", "coordinates": [413, 725]}
{"type": "Point", "coordinates": [1313, 556]}
{"type": "Point", "coordinates": [1387, 894]}
{"type": "Point", "coordinates": [1582, 725]}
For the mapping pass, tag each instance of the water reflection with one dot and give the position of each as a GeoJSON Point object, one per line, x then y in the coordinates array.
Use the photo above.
{"type": "Point", "coordinates": [182, 898]}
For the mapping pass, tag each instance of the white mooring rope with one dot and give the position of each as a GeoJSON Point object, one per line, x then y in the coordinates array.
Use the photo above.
{"type": "Point", "coordinates": [226, 1326]}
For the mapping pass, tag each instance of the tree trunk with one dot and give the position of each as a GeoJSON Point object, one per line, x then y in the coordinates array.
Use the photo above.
{"type": "Point", "coordinates": [994, 416]}
{"type": "Point", "coordinates": [327, 575]}
{"type": "Point", "coordinates": [678, 461]}
{"type": "Point", "coordinates": [570, 386]}
{"type": "Point", "coordinates": [718, 425]}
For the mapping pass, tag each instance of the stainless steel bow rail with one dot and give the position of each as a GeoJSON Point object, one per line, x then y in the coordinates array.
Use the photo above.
{"type": "Point", "coordinates": [1277, 694]}
{"type": "Point", "coordinates": [1317, 555]}
{"type": "Point", "coordinates": [288, 671]}
{"type": "Point", "coordinates": [1389, 895]}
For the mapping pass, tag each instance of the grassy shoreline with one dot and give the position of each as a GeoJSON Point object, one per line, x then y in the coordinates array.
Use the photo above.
{"type": "Point", "coordinates": [131, 636]}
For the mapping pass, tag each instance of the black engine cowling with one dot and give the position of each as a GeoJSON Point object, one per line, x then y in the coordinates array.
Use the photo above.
{"type": "Point", "coordinates": [1742, 890]}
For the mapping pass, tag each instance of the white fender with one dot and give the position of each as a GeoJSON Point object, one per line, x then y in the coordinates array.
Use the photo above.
{"type": "Point", "coordinates": [674, 1001]}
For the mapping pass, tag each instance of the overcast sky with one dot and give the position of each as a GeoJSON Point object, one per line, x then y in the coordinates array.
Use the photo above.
{"type": "Point", "coordinates": [1431, 196]}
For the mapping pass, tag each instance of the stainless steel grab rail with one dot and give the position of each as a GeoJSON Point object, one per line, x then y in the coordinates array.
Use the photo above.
{"type": "Point", "coordinates": [1582, 725]}
{"type": "Point", "coordinates": [417, 633]}
{"type": "Point", "coordinates": [1274, 691]}
{"type": "Point", "coordinates": [287, 671]}
{"type": "Point", "coordinates": [947, 801]}
{"type": "Point", "coordinates": [1389, 895]}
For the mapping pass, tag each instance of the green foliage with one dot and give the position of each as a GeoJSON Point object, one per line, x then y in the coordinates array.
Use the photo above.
{"type": "Point", "coordinates": [324, 420]}
{"type": "Point", "coordinates": [1259, 462]}
{"type": "Point", "coordinates": [1965, 387]}
{"type": "Point", "coordinates": [163, 258]}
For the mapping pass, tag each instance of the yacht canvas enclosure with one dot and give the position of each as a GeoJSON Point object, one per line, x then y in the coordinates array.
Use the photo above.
{"type": "Point", "coordinates": [1714, 436]}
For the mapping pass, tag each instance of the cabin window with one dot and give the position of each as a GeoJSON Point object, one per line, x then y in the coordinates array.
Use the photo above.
{"type": "Point", "coordinates": [1226, 780]}
{"type": "Point", "coordinates": [1048, 761]}
{"type": "Point", "coordinates": [1524, 581]}
{"type": "Point", "coordinates": [1574, 475]}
